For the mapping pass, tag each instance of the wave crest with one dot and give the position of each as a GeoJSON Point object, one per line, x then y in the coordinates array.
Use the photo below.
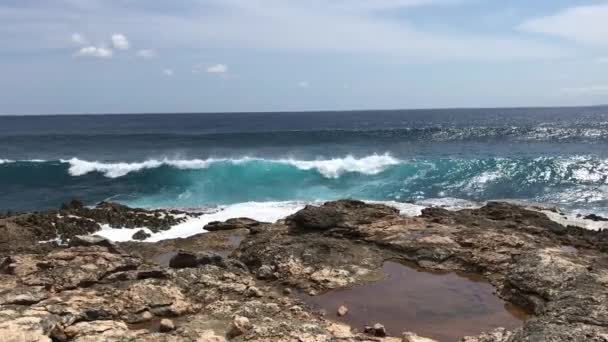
{"type": "Point", "coordinates": [330, 168]}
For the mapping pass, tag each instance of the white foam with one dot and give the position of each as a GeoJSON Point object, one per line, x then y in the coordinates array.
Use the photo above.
{"type": "Point", "coordinates": [334, 168]}
{"type": "Point", "coordinates": [260, 211]}
{"type": "Point", "coordinates": [571, 219]}
{"type": "Point", "coordinates": [449, 203]}
{"type": "Point", "coordinates": [6, 161]}
{"type": "Point", "coordinates": [331, 168]}
{"type": "Point", "coordinates": [263, 212]}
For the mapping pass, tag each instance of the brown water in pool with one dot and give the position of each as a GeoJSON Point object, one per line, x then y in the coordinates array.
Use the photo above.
{"type": "Point", "coordinates": [443, 306]}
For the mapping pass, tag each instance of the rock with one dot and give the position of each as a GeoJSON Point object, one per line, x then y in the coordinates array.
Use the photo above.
{"type": "Point", "coordinates": [240, 325]}
{"type": "Point", "coordinates": [72, 205]}
{"type": "Point", "coordinates": [412, 337]}
{"type": "Point", "coordinates": [23, 296]}
{"type": "Point", "coordinates": [92, 240]}
{"type": "Point", "coordinates": [210, 336]}
{"type": "Point", "coordinates": [343, 214]}
{"type": "Point", "coordinates": [265, 272]}
{"type": "Point", "coordinates": [86, 293]}
{"type": "Point", "coordinates": [166, 325]}
{"type": "Point", "coordinates": [594, 217]}
{"type": "Point", "coordinates": [207, 258]}
{"type": "Point", "coordinates": [342, 310]}
{"type": "Point", "coordinates": [141, 235]}
{"type": "Point", "coordinates": [253, 291]}
{"type": "Point", "coordinates": [185, 259]}
{"type": "Point", "coordinates": [379, 330]}
{"type": "Point", "coordinates": [230, 224]}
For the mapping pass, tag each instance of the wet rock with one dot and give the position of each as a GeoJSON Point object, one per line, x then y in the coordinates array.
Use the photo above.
{"type": "Point", "coordinates": [230, 224]}
{"type": "Point", "coordinates": [594, 217]}
{"type": "Point", "coordinates": [72, 205]}
{"type": "Point", "coordinates": [140, 235]}
{"type": "Point", "coordinates": [342, 310]}
{"type": "Point", "coordinates": [166, 325]}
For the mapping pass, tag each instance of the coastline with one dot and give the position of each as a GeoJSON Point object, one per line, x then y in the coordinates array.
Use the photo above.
{"type": "Point", "coordinates": [242, 279]}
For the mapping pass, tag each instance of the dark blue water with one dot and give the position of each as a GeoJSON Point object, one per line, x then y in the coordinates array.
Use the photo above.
{"type": "Point", "coordinates": [552, 155]}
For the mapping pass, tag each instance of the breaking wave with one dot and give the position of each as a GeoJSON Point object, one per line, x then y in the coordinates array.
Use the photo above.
{"type": "Point", "coordinates": [577, 180]}
{"type": "Point", "coordinates": [331, 168]}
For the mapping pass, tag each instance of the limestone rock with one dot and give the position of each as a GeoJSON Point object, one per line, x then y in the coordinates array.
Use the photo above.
{"type": "Point", "coordinates": [166, 325]}
{"type": "Point", "coordinates": [240, 325]}
{"type": "Point", "coordinates": [412, 337]}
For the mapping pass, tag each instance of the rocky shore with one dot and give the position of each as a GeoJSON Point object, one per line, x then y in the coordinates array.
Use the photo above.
{"type": "Point", "coordinates": [245, 280]}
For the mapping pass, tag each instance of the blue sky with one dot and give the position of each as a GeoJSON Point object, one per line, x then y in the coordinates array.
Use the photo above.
{"type": "Point", "coordinates": [116, 56]}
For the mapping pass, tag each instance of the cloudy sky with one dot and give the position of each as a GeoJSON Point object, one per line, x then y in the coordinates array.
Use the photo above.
{"type": "Point", "coordinates": [115, 56]}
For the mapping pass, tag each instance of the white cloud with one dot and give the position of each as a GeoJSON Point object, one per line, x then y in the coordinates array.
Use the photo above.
{"type": "Point", "coordinates": [583, 24]}
{"type": "Point", "coordinates": [322, 26]}
{"type": "Point", "coordinates": [378, 5]}
{"type": "Point", "coordinates": [120, 41]}
{"type": "Point", "coordinates": [217, 69]}
{"type": "Point", "coordinates": [303, 84]}
{"type": "Point", "coordinates": [168, 72]}
{"type": "Point", "coordinates": [147, 54]}
{"type": "Point", "coordinates": [94, 51]}
{"type": "Point", "coordinates": [79, 39]}
{"type": "Point", "coordinates": [318, 26]}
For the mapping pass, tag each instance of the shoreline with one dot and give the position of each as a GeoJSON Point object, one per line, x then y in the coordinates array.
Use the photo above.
{"type": "Point", "coordinates": [236, 281]}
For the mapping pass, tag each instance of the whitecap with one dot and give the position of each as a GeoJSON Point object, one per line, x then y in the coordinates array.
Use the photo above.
{"type": "Point", "coordinates": [330, 168]}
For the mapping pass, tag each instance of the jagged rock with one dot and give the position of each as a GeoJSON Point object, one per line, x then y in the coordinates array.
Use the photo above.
{"type": "Point", "coordinates": [87, 293]}
{"type": "Point", "coordinates": [140, 235]}
{"type": "Point", "coordinates": [342, 214]}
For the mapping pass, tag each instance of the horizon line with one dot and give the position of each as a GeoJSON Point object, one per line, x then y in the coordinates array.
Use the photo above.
{"type": "Point", "coordinates": [303, 111]}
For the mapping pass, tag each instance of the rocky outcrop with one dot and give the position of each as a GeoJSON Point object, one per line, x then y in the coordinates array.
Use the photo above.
{"type": "Point", "coordinates": [235, 283]}
{"type": "Point", "coordinates": [74, 219]}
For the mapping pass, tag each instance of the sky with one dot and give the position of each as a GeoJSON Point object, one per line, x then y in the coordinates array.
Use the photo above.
{"type": "Point", "coordinates": [145, 56]}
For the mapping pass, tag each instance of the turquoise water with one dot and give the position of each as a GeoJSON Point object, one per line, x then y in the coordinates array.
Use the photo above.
{"type": "Point", "coordinates": [555, 156]}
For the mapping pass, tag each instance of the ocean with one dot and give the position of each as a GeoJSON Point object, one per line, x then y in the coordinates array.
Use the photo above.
{"type": "Point", "coordinates": [271, 161]}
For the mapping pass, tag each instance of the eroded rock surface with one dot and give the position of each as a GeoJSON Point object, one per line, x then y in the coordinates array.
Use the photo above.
{"type": "Point", "coordinates": [235, 283]}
